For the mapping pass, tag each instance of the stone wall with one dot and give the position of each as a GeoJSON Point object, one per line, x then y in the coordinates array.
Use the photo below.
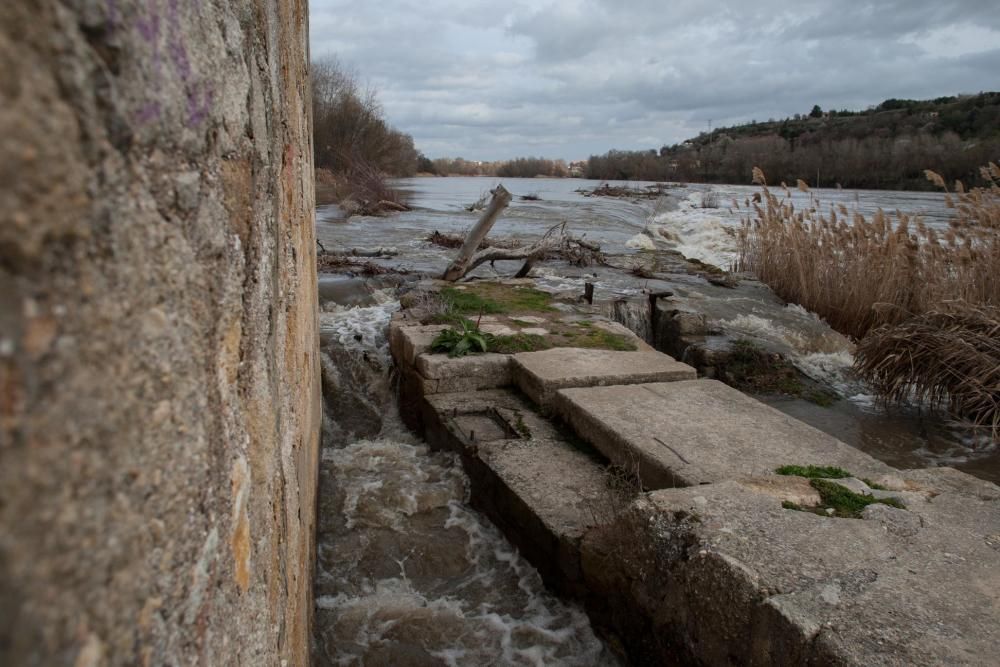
{"type": "Point", "coordinates": [159, 398]}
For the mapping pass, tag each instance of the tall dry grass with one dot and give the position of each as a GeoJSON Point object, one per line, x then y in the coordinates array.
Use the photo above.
{"type": "Point", "coordinates": [948, 357]}
{"type": "Point", "coordinates": [858, 272]}
{"type": "Point", "coordinates": [924, 304]}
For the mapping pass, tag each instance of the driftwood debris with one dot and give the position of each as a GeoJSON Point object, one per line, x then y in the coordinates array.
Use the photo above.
{"type": "Point", "coordinates": [476, 250]}
{"type": "Point", "coordinates": [461, 265]}
{"type": "Point", "coordinates": [456, 241]}
{"type": "Point", "coordinates": [366, 252]}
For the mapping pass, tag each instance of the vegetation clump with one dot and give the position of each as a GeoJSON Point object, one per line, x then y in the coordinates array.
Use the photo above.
{"type": "Point", "coordinates": [835, 500]}
{"type": "Point", "coordinates": [846, 503]}
{"type": "Point", "coordinates": [924, 303]}
{"type": "Point", "coordinates": [855, 149]}
{"type": "Point", "coordinates": [355, 147]}
{"type": "Point", "coordinates": [946, 357]}
{"type": "Point", "coordinates": [460, 342]}
{"type": "Point", "coordinates": [752, 369]}
{"type": "Point", "coordinates": [814, 472]}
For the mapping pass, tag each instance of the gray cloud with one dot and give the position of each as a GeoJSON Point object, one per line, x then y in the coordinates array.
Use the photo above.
{"type": "Point", "coordinates": [574, 77]}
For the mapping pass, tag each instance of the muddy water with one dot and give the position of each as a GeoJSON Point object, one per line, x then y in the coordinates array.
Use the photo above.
{"type": "Point", "coordinates": [407, 572]}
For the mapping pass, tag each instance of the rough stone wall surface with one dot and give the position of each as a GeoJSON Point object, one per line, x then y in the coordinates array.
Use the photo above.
{"type": "Point", "coordinates": [159, 397]}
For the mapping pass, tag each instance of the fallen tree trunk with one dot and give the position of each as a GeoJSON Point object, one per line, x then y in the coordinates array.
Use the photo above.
{"type": "Point", "coordinates": [461, 264]}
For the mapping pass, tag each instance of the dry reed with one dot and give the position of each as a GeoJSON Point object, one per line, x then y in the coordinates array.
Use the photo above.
{"type": "Point", "coordinates": [924, 303]}
{"type": "Point", "coordinates": [948, 357]}
{"type": "Point", "coordinates": [858, 272]}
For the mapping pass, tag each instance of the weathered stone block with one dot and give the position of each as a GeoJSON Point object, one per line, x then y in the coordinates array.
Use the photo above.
{"type": "Point", "coordinates": [699, 431]}
{"type": "Point", "coordinates": [409, 340]}
{"type": "Point", "coordinates": [721, 573]}
{"type": "Point", "coordinates": [541, 374]}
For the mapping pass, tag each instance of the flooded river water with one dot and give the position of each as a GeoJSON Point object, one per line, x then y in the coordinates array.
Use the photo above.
{"type": "Point", "coordinates": [407, 572]}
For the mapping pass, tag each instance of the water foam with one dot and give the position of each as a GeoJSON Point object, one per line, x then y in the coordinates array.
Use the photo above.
{"type": "Point", "coordinates": [707, 235]}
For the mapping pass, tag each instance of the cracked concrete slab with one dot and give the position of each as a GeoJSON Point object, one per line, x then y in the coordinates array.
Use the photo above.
{"type": "Point", "coordinates": [699, 431]}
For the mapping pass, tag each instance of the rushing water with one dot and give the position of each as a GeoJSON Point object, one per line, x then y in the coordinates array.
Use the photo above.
{"type": "Point", "coordinates": [407, 572]}
{"type": "Point", "coordinates": [627, 230]}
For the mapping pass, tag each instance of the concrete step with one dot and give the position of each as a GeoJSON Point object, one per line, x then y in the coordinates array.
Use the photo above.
{"type": "Point", "coordinates": [699, 432]}
{"type": "Point", "coordinates": [541, 374]}
{"type": "Point", "coordinates": [541, 489]}
{"type": "Point", "coordinates": [732, 573]}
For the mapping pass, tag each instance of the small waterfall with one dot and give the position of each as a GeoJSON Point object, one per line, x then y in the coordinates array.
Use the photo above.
{"type": "Point", "coordinates": [631, 313]}
{"type": "Point", "coordinates": [407, 573]}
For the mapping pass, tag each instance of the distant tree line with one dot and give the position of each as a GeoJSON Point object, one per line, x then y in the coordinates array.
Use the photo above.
{"type": "Point", "coordinates": [349, 126]}
{"type": "Point", "coordinates": [522, 167]}
{"type": "Point", "coordinates": [887, 146]}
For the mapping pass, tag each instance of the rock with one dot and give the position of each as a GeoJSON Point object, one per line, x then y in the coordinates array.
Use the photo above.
{"type": "Point", "coordinates": [894, 520]}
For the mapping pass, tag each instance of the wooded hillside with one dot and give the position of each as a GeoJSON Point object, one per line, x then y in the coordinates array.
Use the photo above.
{"type": "Point", "coordinates": [886, 146]}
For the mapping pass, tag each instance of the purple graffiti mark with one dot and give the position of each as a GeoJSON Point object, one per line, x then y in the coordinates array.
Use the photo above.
{"type": "Point", "coordinates": [112, 21]}
{"type": "Point", "coordinates": [149, 111]}
{"type": "Point", "coordinates": [199, 100]}
{"type": "Point", "coordinates": [149, 26]}
{"type": "Point", "coordinates": [156, 25]}
{"type": "Point", "coordinates": [178, 54]}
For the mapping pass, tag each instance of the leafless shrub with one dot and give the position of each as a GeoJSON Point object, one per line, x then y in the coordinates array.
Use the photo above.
{"type": "Point", "coordinates": [366, 185]}
{"type": "Point", "coordinates": [480, 204]}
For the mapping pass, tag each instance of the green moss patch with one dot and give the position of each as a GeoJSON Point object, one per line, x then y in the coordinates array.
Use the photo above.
{"type": "Point", "coordinates": [844, 502]}
{"type": "Point", "coordinates": [814, 472]}
{"type": "Point", "coordinates": [495, 298]}
{"type": "Point", "coordinates": [520, 342]}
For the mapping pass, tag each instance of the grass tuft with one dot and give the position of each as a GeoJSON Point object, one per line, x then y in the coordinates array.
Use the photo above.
{"type": "Point", "coordinates": [494, 298]}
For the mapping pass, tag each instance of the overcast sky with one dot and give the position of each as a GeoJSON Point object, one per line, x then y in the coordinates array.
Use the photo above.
{"type": "Point", "coordinates": [568, 78]}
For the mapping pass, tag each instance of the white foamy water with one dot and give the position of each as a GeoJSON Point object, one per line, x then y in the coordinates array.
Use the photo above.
{"type": "Point", "coordinates": [407, 572]}
{"type": "Point", "coordinates": [705, 234]}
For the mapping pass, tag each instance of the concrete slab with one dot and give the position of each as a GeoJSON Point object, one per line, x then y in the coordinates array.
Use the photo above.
{"type": "Point", "coordinates": [699, 432]}
{"type": "Point", "coordinates": [480, 371]}
{"type": "Point", "coordinates": [722, 570]}
{"type": "Point", "coordinates": [540, 489]}
{"type": "Point", "coordinates": [407, 340]}
{"type": "Point", "coordinates": [541, 374]}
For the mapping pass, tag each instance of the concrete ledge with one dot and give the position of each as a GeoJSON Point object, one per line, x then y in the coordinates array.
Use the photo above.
{"type": "Point", "coordinates": [407, 341]}
{"type": "Point", "coordinates": [724, 574]}
{"type": "Point", "coordinates": [699, 432]}
{"type": "Point", "coordinates": [478, 371]}
{"type": "Point", "coordinates": [541, 374]}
